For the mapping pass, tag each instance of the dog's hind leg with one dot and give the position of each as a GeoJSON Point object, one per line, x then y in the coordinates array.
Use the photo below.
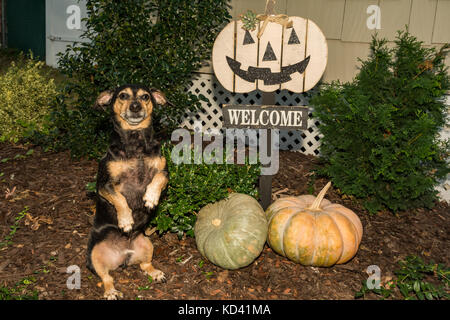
{"type": "Point", "coordinates": [142, 249]}
{"type": "Point", "coordinates": [106, 257]}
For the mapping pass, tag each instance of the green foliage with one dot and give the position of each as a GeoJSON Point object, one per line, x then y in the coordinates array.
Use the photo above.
{"type": "Point", "coordinates": [192, 186]}
{"type": "Point", "coordinates": [380, 131]}
{"type": "Point", "coordinates": [249, 20]}
{"type": "Point", "coordinates": [19, 291]}
{"type": "Point", "coordinates": [13, 228]}
{"type": "Point", "coordinates": [411, 283]}
{"type": "Point", "coordinates": [25, 96]}
{"type": "Point", "coordinates": [74, 125]}
{"type": "Point", "coordinates": [151, 42]}
{"type": "Point", "coordinates": [147, 287]}
{"type": "Point", "coordinates": [18, 156]}
{"type": "Point", "coordinates": [91, 186]}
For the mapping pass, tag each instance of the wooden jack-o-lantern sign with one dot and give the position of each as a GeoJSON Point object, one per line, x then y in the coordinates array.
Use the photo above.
{"type": "Point", "coordinates": [290, 57]}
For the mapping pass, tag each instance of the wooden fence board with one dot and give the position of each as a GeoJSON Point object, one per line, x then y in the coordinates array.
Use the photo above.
{"type": "Point", "coordinates": [293, 52]}
{"type": "Point", "coordinates": [247, 54]}
{"type": "Point", "coordinates": [317, 50]}
{"type": "Point", "coordinates": [270, 43]}
{"type": "Point", "coordinates": [226, 48]}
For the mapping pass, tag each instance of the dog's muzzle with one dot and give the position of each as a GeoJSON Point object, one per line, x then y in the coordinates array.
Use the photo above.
{"type": "Point", "coordinates": [134, 114]}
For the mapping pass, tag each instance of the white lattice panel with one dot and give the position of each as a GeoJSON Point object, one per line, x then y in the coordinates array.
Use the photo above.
{"type": "Point", "coordinates": [306, 141]}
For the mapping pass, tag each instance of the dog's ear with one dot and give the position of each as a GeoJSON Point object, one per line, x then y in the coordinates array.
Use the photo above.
{"type": "Point", "coordinates": [159, 97]}
{"type": "Point", "coordinates": [103, 99]}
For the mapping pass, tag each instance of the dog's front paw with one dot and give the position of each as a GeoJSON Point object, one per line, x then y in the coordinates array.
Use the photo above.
{"type": "Point", "coordinates": [112, 294]}
{"type": "Point", "coordinates": [126, 222]}
{"type": "Point", "coordinates": [151, 198]}
{"type": "Point", "coordinates": [157, 275]}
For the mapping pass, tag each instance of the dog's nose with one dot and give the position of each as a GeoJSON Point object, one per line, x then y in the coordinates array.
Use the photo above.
{"type": "Point", "coordinates": [135, 106]}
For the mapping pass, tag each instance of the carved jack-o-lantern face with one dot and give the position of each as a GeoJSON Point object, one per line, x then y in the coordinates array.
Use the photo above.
{"type": "Point", "coordinates": [283, 58]}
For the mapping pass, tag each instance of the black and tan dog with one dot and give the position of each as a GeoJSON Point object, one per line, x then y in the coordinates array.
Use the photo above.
{"type": "Point", "coordinates": [130, 179]}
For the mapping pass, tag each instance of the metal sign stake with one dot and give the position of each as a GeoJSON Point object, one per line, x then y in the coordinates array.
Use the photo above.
{"type": "Point", "coordinates": [265, 182]}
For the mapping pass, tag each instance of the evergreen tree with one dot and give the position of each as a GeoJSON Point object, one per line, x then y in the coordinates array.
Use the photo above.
{"type": "Point", "coordinates": [381, 131]}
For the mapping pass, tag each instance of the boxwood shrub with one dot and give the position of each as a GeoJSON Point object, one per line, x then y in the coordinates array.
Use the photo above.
{"type": "Point", "coordinates": [381, 139]}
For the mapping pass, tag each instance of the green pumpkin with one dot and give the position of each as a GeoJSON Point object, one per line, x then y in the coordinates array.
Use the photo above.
{"type": "Point", "coordinates": [231, 233]}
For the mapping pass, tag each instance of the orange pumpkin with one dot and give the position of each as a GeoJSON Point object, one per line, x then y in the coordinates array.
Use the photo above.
{"type": "Point", "coordinates": [313, 231]}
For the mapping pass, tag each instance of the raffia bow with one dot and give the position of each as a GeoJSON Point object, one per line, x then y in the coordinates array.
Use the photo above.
{"type": "Point", "coordinates": [276, 18]}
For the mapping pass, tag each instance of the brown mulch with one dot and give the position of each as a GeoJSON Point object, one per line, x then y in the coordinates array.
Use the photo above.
{"type": "Point", "coordinates": [54, 234]}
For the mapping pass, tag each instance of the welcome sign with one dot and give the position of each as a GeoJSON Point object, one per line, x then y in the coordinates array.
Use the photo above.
{"type": "Point", "coordinates": [267, 117]}
{"type": "Point", "coordinates": [268, 52]}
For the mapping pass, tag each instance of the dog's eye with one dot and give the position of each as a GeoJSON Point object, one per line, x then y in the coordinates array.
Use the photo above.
{"type": "Point", "coordinates": [124, 96]}
{"type": "Point", "coordinates": [145, 97]}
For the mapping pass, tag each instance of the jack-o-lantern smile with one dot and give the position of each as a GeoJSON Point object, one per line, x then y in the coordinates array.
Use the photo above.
{"type": "Point", "coordinates": [269, 77]}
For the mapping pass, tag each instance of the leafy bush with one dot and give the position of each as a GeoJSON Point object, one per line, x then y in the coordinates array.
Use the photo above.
{"type": "Point", "coordinates": [380, 132]}
{"type": "Point", "coordinates": [25, 96]}
{"type": "Point", "coordinates": [192, 186]}
{"type": "Point", "coordinates": [151, 42]}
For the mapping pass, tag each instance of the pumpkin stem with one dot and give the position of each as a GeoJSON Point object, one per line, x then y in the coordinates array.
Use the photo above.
{"type": "Point", "coordinates": [318, 200]}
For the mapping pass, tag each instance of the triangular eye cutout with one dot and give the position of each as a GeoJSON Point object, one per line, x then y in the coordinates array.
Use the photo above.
{"type": "Point", "coordinates": [248, 38]}
{"type": "Point", "coordinates": [269, 55]}
{"type": "Point", "coordinates": [293, 39]}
